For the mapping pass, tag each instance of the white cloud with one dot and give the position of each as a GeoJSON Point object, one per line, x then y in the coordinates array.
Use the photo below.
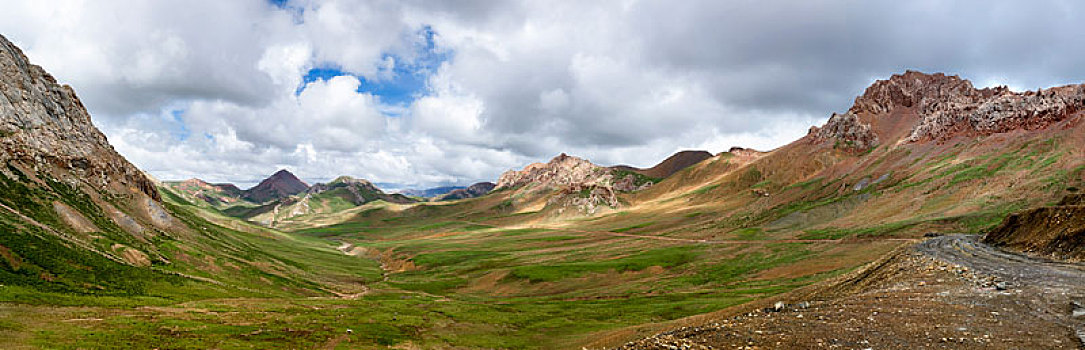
{"type": "Point", "coordinates": [210, 88]}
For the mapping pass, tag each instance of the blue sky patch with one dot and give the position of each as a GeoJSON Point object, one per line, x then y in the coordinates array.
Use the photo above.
{"type": "Point", "coordinates": [180, 131]}
{"type": "Point", "coordinates": [409, 75]}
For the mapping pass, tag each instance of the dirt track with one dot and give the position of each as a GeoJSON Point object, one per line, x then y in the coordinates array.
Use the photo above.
{"type": "Point", "coordinates": [1013, 268]}
{"type": "Point", "coordinates": [1049, 286]}
{"type": "Point", "coordinates": [948, 292]}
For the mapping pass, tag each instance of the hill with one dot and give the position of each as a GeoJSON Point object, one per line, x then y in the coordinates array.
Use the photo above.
{"type": "Point", "coordinates": [431, 192]}
{"type": "Point", "coordinates": [199, 191]}
{"type": "Point", "coordinates": [83, 226]}
{"type": "Point", "coordinates": [917, 153]}
{"type": "Point", "coordinates": [475, 190]}
{"type": "Point", "coordinates": [339, 195]}
{"type": "Point", "coordinates": [669, 166]}
{"type": "Point", "coordinates": [520, 268]}
{"type": "Point", "coordinates": [279, 185]}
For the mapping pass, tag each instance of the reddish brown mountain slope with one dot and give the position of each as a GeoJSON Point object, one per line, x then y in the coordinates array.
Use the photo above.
{"type": "Point", "coordinates": [671, 165]}
{"type": "Point", "coordinates": [280, 185]}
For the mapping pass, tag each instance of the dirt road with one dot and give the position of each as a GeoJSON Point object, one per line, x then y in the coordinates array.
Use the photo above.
{"type": "Point", "coordinates": [949, 292]}
{"type": "Point", "coordinates": [1053, 289]}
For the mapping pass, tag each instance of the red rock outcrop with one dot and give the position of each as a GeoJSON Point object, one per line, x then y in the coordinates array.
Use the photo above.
{"type": "Point", "coordinates": [949, 106]}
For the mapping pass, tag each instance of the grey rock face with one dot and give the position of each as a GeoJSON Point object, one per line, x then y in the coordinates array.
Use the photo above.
{"type": "Point", "coordinates": [45, 128]}
{"type": "Point", "coordinates": [846, 131]}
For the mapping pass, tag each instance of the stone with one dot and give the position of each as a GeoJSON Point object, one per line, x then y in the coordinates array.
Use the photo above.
{"type": "Point", "coordinates": [846, 131]}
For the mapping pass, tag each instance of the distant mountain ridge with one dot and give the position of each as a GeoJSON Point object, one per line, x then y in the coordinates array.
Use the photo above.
{"type": "Point", "coordinates": [431, 192]}
{"type": "Point", "coordinates": [216, 195]}
{"type": "Point", "coordinates": [282, 196]}
{"type": "Point", "coordinates": [475, 190]}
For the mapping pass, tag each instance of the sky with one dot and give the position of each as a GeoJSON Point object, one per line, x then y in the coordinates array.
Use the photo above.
{"type": "Point", "coordinates": [415, 94]}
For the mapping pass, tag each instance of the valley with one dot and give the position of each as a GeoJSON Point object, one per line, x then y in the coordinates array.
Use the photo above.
{"type": "Point", "coordinates": [874, 215]}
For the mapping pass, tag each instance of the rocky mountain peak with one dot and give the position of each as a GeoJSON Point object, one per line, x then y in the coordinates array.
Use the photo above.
{"type": "Point", "coordinates": [45, 129]}
{"type": "Point", "coordinates": [559, 171]}
{"type": "Point", "coordinates": [947, 106]}
{"type": "Point", "coordinates": [997, 113]}
{"type": "Point", "coordinates": [284, 175]}
{"type": "Point", "coordinates": [921, 91]}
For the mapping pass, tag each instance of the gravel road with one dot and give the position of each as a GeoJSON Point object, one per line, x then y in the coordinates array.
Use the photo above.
{"type": "Point", "coordinates": [949, 292]}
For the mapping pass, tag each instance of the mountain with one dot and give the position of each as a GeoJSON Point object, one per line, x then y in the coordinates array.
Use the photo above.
{"type": "Point", "coordinates": [336, 196]}
{"type": "Point", "coordinates": [431, 192]}
{"type": "Point", "coordinates": [65, 189]}
{"type": "Point", "coordinates": [475, 190]}
{"type": "Point", "coordinates": [46, 131]}
{"type": "Point", "coordinates": [91, 252]}
{"type": "Point", "coordinates": [915, 154]}
{"type": "Point", "coordinates": [671, 165]}
{"type": "Point", "coordinates": [280, 185]}
{"type": "Point", "coordinates": [79, 224]}
{"type": "Point", "coordinates": [355, 191]}
{"type": "Point", "coordinates": [562, 170]}
{"type": "Point", "coordinates": [198, 191]}
{"type": "Point", "coordinates": [568, 181]}
{"type": "Point", "coordinates": [564, 181]}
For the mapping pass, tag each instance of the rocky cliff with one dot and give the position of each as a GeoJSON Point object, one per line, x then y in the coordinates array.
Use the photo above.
{"type": "Point", "coordinates": [846, 131]}
{"type": "Point", "coordinates": [944, 107]}
{"type": "Point", "coordinates": [45, 129]}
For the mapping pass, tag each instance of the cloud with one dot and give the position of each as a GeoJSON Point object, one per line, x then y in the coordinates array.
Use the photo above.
{"type": "Point", "coordinates": [421, 93]}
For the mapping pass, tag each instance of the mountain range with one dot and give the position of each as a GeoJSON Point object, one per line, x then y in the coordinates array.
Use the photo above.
{"type": "Point", "coordinates": [566, 253]}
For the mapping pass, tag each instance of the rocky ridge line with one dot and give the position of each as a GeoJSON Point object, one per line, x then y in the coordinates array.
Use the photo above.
{"type": "Point", "coordinates": [949, 105]}
{"type": "Point", "coordinates": [45, 128]}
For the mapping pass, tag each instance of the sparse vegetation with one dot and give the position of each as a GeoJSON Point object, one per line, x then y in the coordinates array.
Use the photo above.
{"type": "Point", "coordinates": [638, 178]}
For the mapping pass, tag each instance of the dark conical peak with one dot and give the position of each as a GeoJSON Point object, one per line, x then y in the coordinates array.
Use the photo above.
{"type": "Point", "coordinates": [283, 173]}
{"type": "Point", "coordinates": [285, 176]}
{"type": "Point", "coordinates": [281, 184]}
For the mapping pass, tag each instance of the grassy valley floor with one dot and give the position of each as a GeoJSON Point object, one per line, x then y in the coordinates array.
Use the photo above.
{"type": "Point", "coordinates": [442, 282]}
